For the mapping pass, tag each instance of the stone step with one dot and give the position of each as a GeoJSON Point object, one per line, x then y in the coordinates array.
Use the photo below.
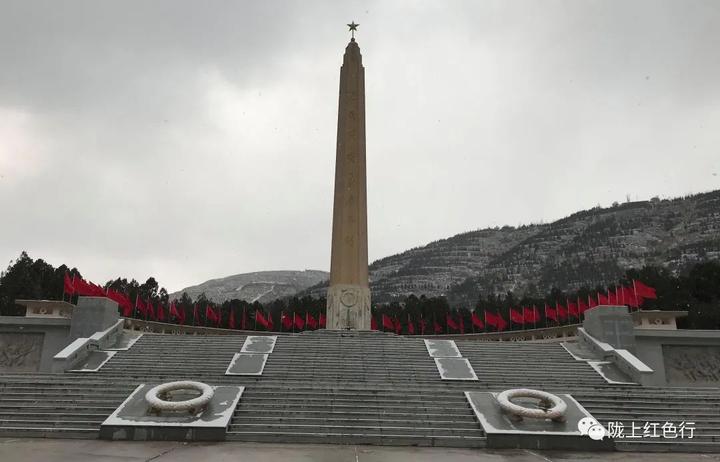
{"type": "Point", "coordinates": [46, 423]}
{"type": "Point", "coordinates": [293, 407]}
{"type": "Point", "coordinates": [53, 415]}
{"type": "Point", "coordinates": [77, 401]}
{"type": "Point", "coordinates": [607, 414]}
{"type": "Point", "coordinates": [49, 432]}
{"type": "Point", "coordinates": [344, 421]}
{"type": "Point", "coordinates": [52, 394]}
{"type": "Point", "coordinates": [650, 405]}
{"type": "Point", "coordinates": [358, 396]}
{"type": "Point", "coordinates": [654, 445]}
{"type": "Point", "coordinates": [248, 411]}
{"type": "Point", "coordinates": [332, 400]}
{"type": "Point", "coordinates": [395, 430]}
{"type": "Point", "coordinates": [42, 406]}
{"type": "Point", "coordinates": [377, 439]}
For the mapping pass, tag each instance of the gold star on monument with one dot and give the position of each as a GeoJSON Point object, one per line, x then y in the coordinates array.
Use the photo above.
{"type": "Point", "coordinates": [353, 27]}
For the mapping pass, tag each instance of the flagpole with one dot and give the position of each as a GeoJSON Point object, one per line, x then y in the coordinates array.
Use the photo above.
{"type": "Point", "coordinates": [635, 292]}
{"type": "Point", "coordinates": [534, 317]}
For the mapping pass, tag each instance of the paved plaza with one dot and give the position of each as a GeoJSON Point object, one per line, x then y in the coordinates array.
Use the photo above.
{"type": "Point", "coordinates": [44, 450]}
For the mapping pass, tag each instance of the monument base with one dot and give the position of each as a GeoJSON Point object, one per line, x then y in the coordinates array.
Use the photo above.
{"type": "Point", "coordinates": [348, 307]}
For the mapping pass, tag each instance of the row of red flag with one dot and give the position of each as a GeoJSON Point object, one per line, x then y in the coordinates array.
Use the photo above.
{"type": "Point", "coordinates": [631, 296]}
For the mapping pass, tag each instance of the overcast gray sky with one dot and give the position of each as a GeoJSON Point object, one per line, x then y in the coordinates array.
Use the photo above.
{"type": "Point", "coordinates": [194, 140]}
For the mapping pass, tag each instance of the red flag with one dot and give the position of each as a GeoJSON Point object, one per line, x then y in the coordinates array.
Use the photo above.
{"type": "Point", "coordinates": [122, 301]}
{"type": "Point", "coordinates": [582, 306]}
{"type": "Point", "coordinates": [461, 323]}
{"type": "Point", "coordinates": [387, 322]}
{"type": "Point", "coordinates": [83, 288]}
{"type": "Point", "coordinates": [644, 291]}
{"type": "Point", "coordinates": [451, 322]}
{"type": "Point", "coordinates": [516, 317]}
{"type": "Point", "coordinates": [231, 320]}
{"type": "Point", "coordinates": [99, 291]}
{"type": "Point", "coordinates": [437, 327]}
{"type": "Point", "coordinates": [476, 321]}
{"type": "Point", "coordinates": [550, 313]}
{"type": "Point", "coordinates": [592, 303]}
{"type": "Point", "coordinates": [260, 318]}
{"type": "Point", "coordinates": [127, 308]}
{"type": "Point", "coordinates": [531, 315]}
{"type": "Point", "coordinates": [140, 305]}
{"type": "Point", "coordinates": [298, 321]}
{"type": "Point", "coordinates": [398, 326]}
{"type": "Point", "coordinates": [151, 310]}
{"type": "Point", "coordinates": [322, 321]}
{"type": "Point", "coordinates": [631, 299]}
{"type": "Point", "coordinates": [179, 315]}
{"type": "Point", "coordinates": [211, 315]}
{"type": "Point", "coordinates": [160, 313]}
{"type": "Point", "coordinates": [411, 326]}
{"type": "Point", "coordinates": [602, 299]}
{"type": "Point", "coordinates": [490, 319]}
{"type": "Point", "coordinates": [561, 311]}
{"type": "Point", "coordinates": [612, 298]}
{"type": "Point", "coordinates": [373, 323]}
{"type": "Point", "coordinates": [286, 321]}
{"type": "Point", "coordinates": [573, 309]}
{"type": "Point", "coordinates": [501, 323]}
{"type": "Point", "coordinates": [173, 311]}
{"type": "Point", "coordinates": [68, 287]}
{"type": "Point", "coordinates": [310, 321]}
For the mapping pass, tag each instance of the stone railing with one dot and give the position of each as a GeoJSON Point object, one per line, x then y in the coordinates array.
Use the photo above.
{"type": "Point", "coordinates": [179, 329]}
{"type": "Point", "coordinates": [622, 358]}
{"type": "Point", "coordinates": [547, 334]}
{"type": "Point", "coordinates": [79, 349]}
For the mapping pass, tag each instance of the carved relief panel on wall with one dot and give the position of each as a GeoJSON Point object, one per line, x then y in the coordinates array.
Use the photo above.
{"type": "Point", "coordinates": [20, 352]}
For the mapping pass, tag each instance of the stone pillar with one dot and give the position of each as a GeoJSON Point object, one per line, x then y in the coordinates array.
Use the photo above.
{"type": "Point", "coordinates": [348, 300]}
{"type": "Point", "coordinates": [611, 324]}
{"type": "Point", "coordinates": [91, 315]}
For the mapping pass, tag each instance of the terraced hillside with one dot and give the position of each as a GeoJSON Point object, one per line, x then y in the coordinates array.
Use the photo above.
{"type": "Point", "coordinates": [588, 248]}
{"type": "Point", "coordinates": [334, 387]}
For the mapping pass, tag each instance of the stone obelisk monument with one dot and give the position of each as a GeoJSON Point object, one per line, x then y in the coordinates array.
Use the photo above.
{"type": "Point", "coordinates": [348, 300]}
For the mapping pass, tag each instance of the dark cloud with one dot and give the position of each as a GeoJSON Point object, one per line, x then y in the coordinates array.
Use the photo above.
{"type": "Point", "coordinates": [190, 140]}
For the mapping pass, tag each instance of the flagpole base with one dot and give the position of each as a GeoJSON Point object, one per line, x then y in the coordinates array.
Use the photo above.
{"type": "Point", "coordinates": [348, 307]}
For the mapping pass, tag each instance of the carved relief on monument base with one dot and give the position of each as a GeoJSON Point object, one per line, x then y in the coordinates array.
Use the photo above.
{"type": "Point", "coordinates": [20, 352]}
{"type": "Point", "coordinates": [692, 365]}
{"type": "Point", "coordinates": [348, 307]}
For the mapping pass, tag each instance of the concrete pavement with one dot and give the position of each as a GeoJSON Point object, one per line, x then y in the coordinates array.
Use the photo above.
{"type": "Point", "coordinates": [44, 450]}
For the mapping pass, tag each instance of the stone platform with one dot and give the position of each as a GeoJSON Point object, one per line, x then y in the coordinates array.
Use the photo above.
{"type": "Point", "coordinates": [349, 388]}
{"type": "Point", "coordinates": [132, 420]}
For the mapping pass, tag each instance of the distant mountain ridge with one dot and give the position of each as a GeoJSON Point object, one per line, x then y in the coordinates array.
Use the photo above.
{"type": "Point", "coordinates": [262, 286]}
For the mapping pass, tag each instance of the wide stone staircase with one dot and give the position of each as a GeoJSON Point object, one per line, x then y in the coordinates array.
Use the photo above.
{"type": "Point", "coordinates": [354, 388]}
